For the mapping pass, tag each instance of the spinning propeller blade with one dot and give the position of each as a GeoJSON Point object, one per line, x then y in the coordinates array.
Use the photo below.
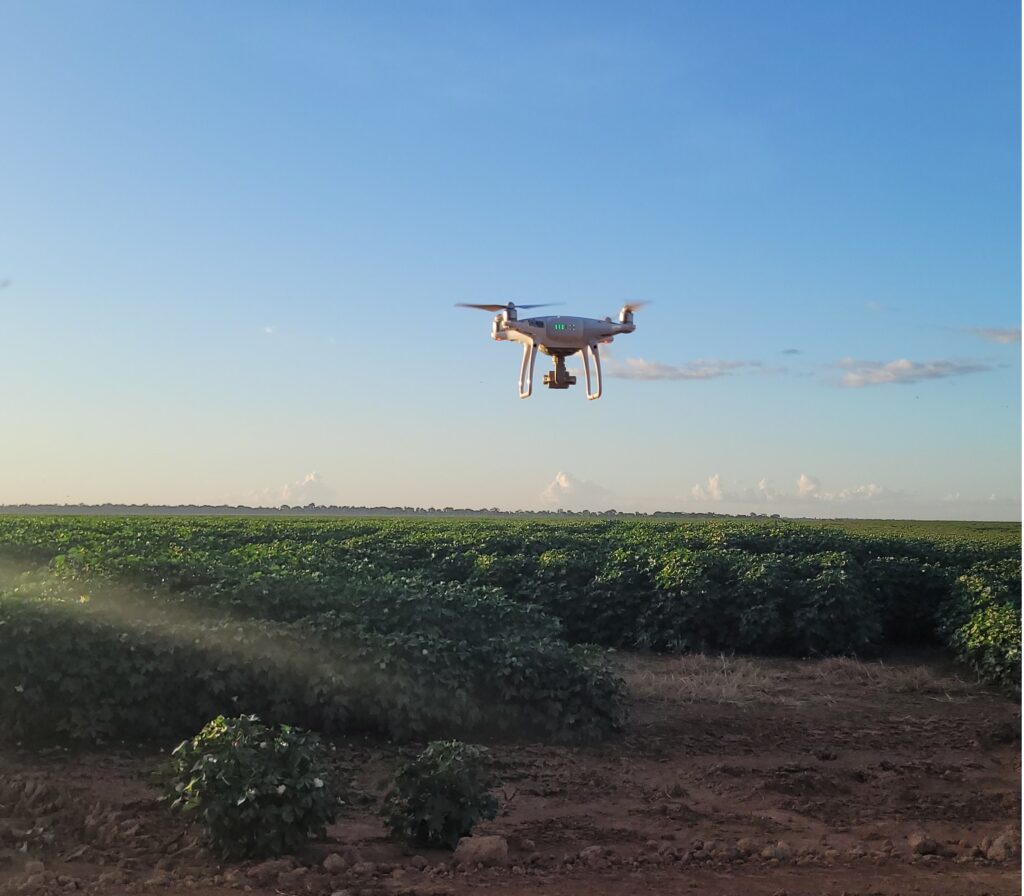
{"type": "Point", "coordinates": [503, 307]}
{"type": "Point", "coordinates": [634, 306]}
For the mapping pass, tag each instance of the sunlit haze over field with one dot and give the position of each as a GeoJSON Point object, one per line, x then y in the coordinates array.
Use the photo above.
{"type": "Point", "coordinates": [233, 236]}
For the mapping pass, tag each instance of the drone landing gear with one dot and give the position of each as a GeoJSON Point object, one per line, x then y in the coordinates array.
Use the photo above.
{"type": "Point", "coordinates": [592, 350]}
{"type": "Point", "coordinates": [526, 370]}
{"type": "Point", "coordinates": [559, 377]}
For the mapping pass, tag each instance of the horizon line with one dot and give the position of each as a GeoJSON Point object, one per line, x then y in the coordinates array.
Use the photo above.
{"type": "Point", "coordinates": [314, 509]}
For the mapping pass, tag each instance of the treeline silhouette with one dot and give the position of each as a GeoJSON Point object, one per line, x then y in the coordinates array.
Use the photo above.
{"type": "Point", "coordinates": [345, 510]}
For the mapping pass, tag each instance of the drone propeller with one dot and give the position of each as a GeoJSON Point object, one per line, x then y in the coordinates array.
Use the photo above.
{"type": "Point", "coordinates": [634, 306]}
{"type": "Point", "coordinates": [504, 307]}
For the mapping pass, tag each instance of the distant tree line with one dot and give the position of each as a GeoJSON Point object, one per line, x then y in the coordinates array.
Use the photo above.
{"type": "Point", "coordinates": [347, 510]}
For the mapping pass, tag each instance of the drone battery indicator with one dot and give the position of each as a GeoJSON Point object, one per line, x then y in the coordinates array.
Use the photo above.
{"type": "Point", "coordinates": [559, 327]}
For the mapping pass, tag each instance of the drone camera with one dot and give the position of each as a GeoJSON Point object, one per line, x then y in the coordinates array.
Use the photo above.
{"type": "Point", "coordinates": [559, 377]}
{"type": "Point", "coordinates": [553, 381]}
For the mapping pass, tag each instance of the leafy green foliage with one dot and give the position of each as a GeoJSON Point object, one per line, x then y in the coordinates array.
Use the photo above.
{"type": "Point", "coordinates": [990, 642]}
{"type": "Point", "coordinates": [256, 791]}
{"type": "Point", "coordinates": [907, 594]}
{"type": "Point", "coordinates": [835, 613]}
{"type": "Point", "coordinates": [983, 621]}
{"type": "Point", "coordinates": [439, 629]}
{"type": "Point", "coordinates": [440, 795]}
{"type": "Point", "coordinates": [395, 655]}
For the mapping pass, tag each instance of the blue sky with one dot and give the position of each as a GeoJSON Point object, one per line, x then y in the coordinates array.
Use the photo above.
{"type": "Point", "coordinates": [233, 233]}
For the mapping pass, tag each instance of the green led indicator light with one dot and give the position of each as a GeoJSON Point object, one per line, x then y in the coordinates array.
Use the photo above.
{"type": "Point", "coordinates": [559, 326]}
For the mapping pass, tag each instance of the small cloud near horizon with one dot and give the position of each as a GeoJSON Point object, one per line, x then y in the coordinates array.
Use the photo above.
{"type": "Point", "coordinates": [710, 490]}
{"type": "Point", "coordinates": [807, 486]}
{"type": "Point", "coordinates": [569, 493]}
{"type": "Point", "coordinates": [310, 489]}
{"type": "Point", "coordinates": [807, 489]}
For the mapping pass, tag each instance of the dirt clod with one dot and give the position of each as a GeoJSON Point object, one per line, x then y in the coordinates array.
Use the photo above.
{"type": "Point", "coordinates": [335, 863]}
{"type": "Point", "coordinates": [921, 844]}
{"type": "Point", "coordinates": [265, 872]}
{"type": "Point", "coordinates": [781, 851]}
{"type": "Point", "coordinates": [481, 850]}
{"type": "Point", "coordinates": [1004, 847]}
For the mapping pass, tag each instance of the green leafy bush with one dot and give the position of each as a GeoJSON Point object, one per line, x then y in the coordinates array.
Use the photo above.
{"type": "Point", "coordinates": [908, 594]}
{"type": "Point", "coordinates": [466, 659]}
{"type": "Point", "coordinates": [256, 791]}
{"type": "Point", "coordinates": [101, 669]}
{"type": "Point", "coordinates": [836, 613]}
{"type": "Point", "coordinates": [982, 621]}
{"type": "Point", "coordinates": [406, 658]}
{"type": "Point", "coordinates": [447, 628]}
{"type": "Point", "coordinates": [990, 643]}
{"type": "Point", "coordinates": [440, 795]}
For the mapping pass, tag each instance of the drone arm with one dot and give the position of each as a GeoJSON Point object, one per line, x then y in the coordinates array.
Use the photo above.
{"type": "Point", "coordinates": [592, 349]}
{"type": "Point", "coordinates": [526, 370]}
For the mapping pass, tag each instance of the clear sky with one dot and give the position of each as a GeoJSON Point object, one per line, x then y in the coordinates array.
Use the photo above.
{"type": "Point", "coordinates": [232, 234]}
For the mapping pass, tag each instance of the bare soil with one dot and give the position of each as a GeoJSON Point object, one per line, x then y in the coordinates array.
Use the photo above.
{"type": "Point", "coordinates": [734, 776]}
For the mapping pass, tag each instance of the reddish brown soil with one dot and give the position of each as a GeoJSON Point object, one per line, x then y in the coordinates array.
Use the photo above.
{"type": "Point", "coordinates": [734, 777]}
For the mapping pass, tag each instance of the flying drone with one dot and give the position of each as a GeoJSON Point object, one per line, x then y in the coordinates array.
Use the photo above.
{"type": "Point", "coordinates": [560, 337]}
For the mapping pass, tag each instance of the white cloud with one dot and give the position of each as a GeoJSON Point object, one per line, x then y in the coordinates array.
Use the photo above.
{"type": "Point", "coordinates": [570, 493]}
{"type": "Point", "coordinates": [874, 373]}
{"type": "Point", "coordinates": [268, 330]}
{"type": "Point", "coordinates": [807, 486]}
{"type": "Point", "coordinates": [1003, 336]}
{"type": "Point", "coordinates": [766, 491]}
{"type": "Point", "coordinates": [710, 491]}
{"type": "Point", "coordinates": [808, 490]}
{"type": "Point", "coordinates": [310, 489]}
{"type": "Point", "coordinates": [641, 369]}
{"type": "Point", "coordinates": [859, 493]}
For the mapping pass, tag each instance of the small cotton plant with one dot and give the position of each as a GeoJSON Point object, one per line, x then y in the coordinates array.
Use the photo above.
{"type": "Point", "coordinates": [439, 796]}
{"type": "Point", "coordinates": [257, 791]}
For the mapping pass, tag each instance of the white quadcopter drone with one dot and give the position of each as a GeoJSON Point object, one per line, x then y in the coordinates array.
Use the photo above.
{"type": "Point", "coordinates": [558, 337]}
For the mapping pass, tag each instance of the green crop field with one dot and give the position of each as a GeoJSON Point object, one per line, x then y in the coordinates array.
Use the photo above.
{"type": "Point", "coordinates": [934, 530]}
{"type": "Point", "coordinates": [416, 627]}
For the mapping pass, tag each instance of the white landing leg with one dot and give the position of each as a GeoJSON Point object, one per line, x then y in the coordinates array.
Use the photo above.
{"type": "Point", "coordinates": [526, 370]}
{"type": "Point", "coordinates": [592, 350]}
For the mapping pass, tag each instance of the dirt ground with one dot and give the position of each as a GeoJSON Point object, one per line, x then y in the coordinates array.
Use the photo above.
{"type": "Point", "coordinates": [734, 776]}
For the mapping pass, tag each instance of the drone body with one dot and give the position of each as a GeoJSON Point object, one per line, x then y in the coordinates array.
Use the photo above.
{"type": "Point", "coordinates": [559, 337]}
